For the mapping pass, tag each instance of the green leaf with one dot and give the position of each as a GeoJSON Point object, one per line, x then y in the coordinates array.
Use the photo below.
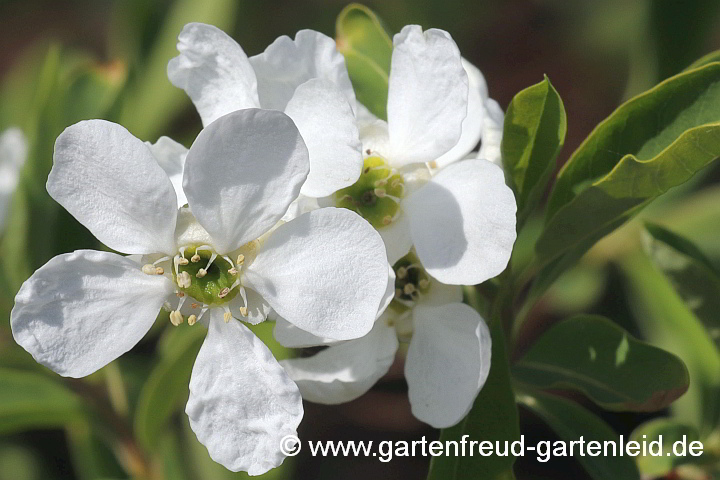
{"type": "Point", "coordinates": [152, 101]}
{"type": "Point", "coordinates": [650, 144]}
{"type": "Point", "coordinates": [668, 323]}
{"type": "Point", "coordinates": [494, 418]}
{"type": "Point", "coordinates": [92, 459]}
{"type": "Point", "coordinates": [533, 134]}
{"type": "Point", "coordinates": [367, 48]}
{"type": "Point", "coordinates": [692, 275]}
{"type": "Point", "coordinates": [671, 431]}
{"type": "Point", "coordinates": [167, 385]}
{"type": "Point", "coordinates": [29, 400]}
{"type": "Point", "coordinates": [711, 57]}
{"type": "Point", "coordinates": [593, 355]}
{"type": "Point", "coordinates": [570, 421]}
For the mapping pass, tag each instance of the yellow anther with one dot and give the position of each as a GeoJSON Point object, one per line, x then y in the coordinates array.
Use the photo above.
{"type": "Point", "coordinates": [401, 272]}
{"type": "Point", "coordinates": [194, 305]}
{"type": "Point", "coordinates": [192, 319]}
{"type": "Point", "coordinates": [149, 269]}
{"type": "Point", "coordinates": [159, 271]}
{"type": "Point", "coordinates": [182, 261]}
{"type": "Point", "coordinates": [409, 289]}
{"type": "Point", "coordinates": [201, 273]}
{"type": "Point", "coordinates": [433, 164]}
{"type": "Point", "coordinates": [195, 258]}
{"type": "Point", "coordinates": [243, 311]}
{"type": "Point", "coordinates": [176, 318]}
{"type": "Point", "coordinates": [184, 280]}
{"type": "Point", "coordinates": [379, 192]}
{"type": "Point", "coordinates": [387, 220]}
{"type": "Point", "coordinates": [224, 292]}
{"type": "Point", "coordinates": [179, 294]}
{"type": "Point", "coordinates": [233, 271]}
{"type": "Point", "coordinates": [240, 259]}
{"type": "Point", "coordinates": [227, 316]}
{"type": "Point", "coordinates": [424, 283]}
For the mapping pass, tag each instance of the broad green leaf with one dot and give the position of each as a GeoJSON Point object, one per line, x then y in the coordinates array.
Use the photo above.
{"type": "Point", "coordinates": [593, 355]}
{"type": "Point", "coordinates": [367, 48]}
{"type": "Point", "coordinates": [92, 90]}
{"type": "Point", "coordinates": [650, 144]}
{"type": "Point", "coordinates": [152, 101]}
{"type": "Point", "coordinates": [711, 57]}
{"type": "Point", "coordinates": [670, 431]}
{"type": "Point", "coordinates": [494, 417]}
{"type": "Point", "coordinates": [570, 422]}
{"type": "Point", "coordinates": [533, 134]}
{"type": "Point", "coordinates": [167, 385]}
{"type": "Point", "coordinates": [29, 400]}
{"type": "Point", "coordinates": [667, 322]}
{"type": "Point", "coordinates": [692, 275]}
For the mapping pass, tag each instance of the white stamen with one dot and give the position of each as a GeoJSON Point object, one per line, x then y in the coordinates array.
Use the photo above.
{"type": "Point", "coordinates": [233, 271]}
{"type": "Point", "coordinates": [192, 319]}
{"type": "Point", "coordinates": [149, 269]}
{"type": "Point", "coordinates": [244, 311]}
{"type": "Point", "coordinates": [159, 271]}
{"type": "Point", "coordinates": [433, 164]}
{"type": "Point", "coordinates": [424, 283]}
{"type": "Point", "coordinates": [227, 315]}
{"type": "Point", "coordinates": [195, 258]}
{"type": "Point", "coordinates": [380, 192]}
{"type": "Point", "coordinates": [176, 318]}
{"type": "Point", "coordinates": [240, 259]}
{"type": "Point", "coordinates": [212, 259]}
{"type": "Point", "coordinates": [401, 272]}
{"type": "Point", "coordinates": [224, 292]}
{"type": "Point", "coordinates": [409, 288]}
{"type": "Point", "coordinates": [201, 273]}
{"type": "Point", "coordinates": [387, 220]}
{"type": "Point", "coordinates": [163, 259]}
{"type": "Point", "coordinates": [184, 280]}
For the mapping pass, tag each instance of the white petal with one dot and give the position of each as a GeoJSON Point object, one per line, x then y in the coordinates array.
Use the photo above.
{"type": "Point", "coordinates": [286, 64]}
{"type": "Point", "coordinates": [82, 310]}
{"type": "Point", "coordinates": [344, 372]}
{"type": "Point", "coordinates": [397, 238]}
{"type": "Point", "coordinates": [242, 173]}
{"type": "Point", "coordinates": [447, 363]}
{"type": "Point", "coordinates": [242, 403]}
{"type": "Point", "coordinates": [325, 272]}
{"type": "Point", "coordinates": [462, 223]}
{"type": "Point", "coordinates": [427, 95]}
{"type": "Point", "coordinates": [214, 71]}
{"type": "Point", "coordinates": [327, 124]}
{"type": "Point", "coordinates": [111, 183]}
{"type": "Point", "coordinates": [301, 205]}
{"type": "Point", "coordinates": [170, 155]}
{"type": "Point", "coordinates": [492, 133]}
{"type": "Point", "coordinates": [389, 292]}
{"type": "Point", "coordinates": [13, 153]}
{"type": "Point", "coordinates": [472, 126]}
{"type": "Point", "coordinates": [441, 294]}
{"type": "Point", "coordinates": [288, 335]}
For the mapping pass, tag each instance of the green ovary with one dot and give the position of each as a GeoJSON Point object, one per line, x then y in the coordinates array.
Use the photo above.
{"type": "Point", "coordinates": [207, 289]}
{"type": "Point", "coordinates": [370, 195]}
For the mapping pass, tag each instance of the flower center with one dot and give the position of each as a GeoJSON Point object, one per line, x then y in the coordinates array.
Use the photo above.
{"type": "Point", "coordinates": [376, 195]}
{"type": "Point", "coordinates": [411, 282]}
{"type": "Point", "coordinates": [205, 276]}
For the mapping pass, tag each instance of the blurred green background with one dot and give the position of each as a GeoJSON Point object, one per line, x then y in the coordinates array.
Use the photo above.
{"type": "Point", "coordinates": [64, 61]}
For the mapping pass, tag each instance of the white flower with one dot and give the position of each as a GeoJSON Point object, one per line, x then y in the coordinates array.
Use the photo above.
{"type": "Point", "coordinates": [447, 362]}
{"type": "Point", "coordinates": [224, 254]}
{"type": "Point", "coordinates": [306, 78]}
{"type": "Point", "coordinates": [13, 153]}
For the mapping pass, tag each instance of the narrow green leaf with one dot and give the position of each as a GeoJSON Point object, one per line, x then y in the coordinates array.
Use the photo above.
{"type": "Point", "coordinates": [593, 355]}
{"type": "Point", "coordinates": [692, 275]}
{"type": "Point", "coordinates": [167, 385]}
{"type": "Point", "coordinates": [494, 418]}
{"type": "Point", "coordinates": [533, 134]}
{"type": "Point", "coordinates": [671, 431]}
{"type": "Point", "coordinates": [92, 459]}
{"type": "Point", "coordinates": [570, 422]}
{"type": "Point", "coordinates": [29, 400]}
{"type": "Point", "coordinates": [654, 142]}
{"type": "Point", "coordinates": [367, 48]}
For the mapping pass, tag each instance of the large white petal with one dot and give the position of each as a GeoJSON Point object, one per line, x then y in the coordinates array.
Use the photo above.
{"type": "Point", "coordinates": [397, 238]}
{"type": "Point", "coordinates": [344, 372]}
{"type": "Point", "coordinates": [427, 95]}
{"type": "Point", "coordinates": [462, 223]}
{"type": "Point", "coordinates": [242, 173]}
{"type": "Point", "coordinates": [472, 126]}
{"type": "Point", "coordinates": [286, 64]}
{"type": "Point", "coordinates": [214, 71]}
{"type": "Point", "coordinates": [242, 403]}
{"type": "Point", "coordinates": [13, 152]}
{"type": "Point", "coordinates": [447, 363]}
{"type": "Point", "coordinates": [171, 157]}
{"type": "Point", "coordinates": [326, 272]}
{"type": "Point", "coordinates": [327, 124]}
{"type": "Point", "coordinates": [492, 133]}
{"type": "Point", "coordinates": [288, 335]}
{"type": "Point", "coordinates": [82, 310]}
{"type": "Point", "coordinates": [111, 182]}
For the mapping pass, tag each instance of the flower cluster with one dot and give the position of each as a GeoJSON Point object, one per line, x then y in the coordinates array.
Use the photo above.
{"type": "Point", "coordinates": [293, 204]}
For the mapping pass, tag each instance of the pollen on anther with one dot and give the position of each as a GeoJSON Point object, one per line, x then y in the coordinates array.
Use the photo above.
{"type": "Point", "coordinates": [233, 271]}
{"type": "Point", "coordinates": [227, 316]}
{"type": "Point", "coordinates": [201, 273]}
{"type": "Point", "coordinates": [182, 261]}
{"type": "Point", "coordinates": [159, 271]}
{"type": "Point", "coordinates": [194, 305]}
{"type": "Point", "coordinates": [195, 258]}
{"type": "Point", "coordinates": [433, 164]}
{"type": "Point", "coordinates": [401, 272]}
{"type": "Point", "coordinates": [224, 292]}
{"type": "Point", "coordinates": [149, 269]}
{"type": "Point", "coordinates": [424, 283]}
{"type": "Point", "coordinates": [240, 259]}
{"type": "Point", "coordinates": [380, 192]}
{"type": "Point", "coordinates": [387, 220]}
{"type": "Point", "coordinates": [192, 319]}
{"type": "Point", "coordinates": [244, 311]}
{"type": "Point", "coordinates": [409, 289]}
{"type": "Point", "coordinates": [184, 280]}
{"type": "Point", "coordinates": [176, 318]}
{"type": "Point", "coordinates": [179, 294]}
